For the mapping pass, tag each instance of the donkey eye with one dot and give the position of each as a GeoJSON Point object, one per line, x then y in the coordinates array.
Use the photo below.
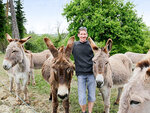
{"type": "Point", "coordinates": [55, 71]}
{"type": "Point", "coordinates": [106, 63]}
{"type": "Point", "coordinates": [14, 51]}
{"type": "Point", "coordinates": [94, 62]}
{"type": "Point", "coordinates": [134, 102]}
{"type": "Point", "coordinates": [68, 70]}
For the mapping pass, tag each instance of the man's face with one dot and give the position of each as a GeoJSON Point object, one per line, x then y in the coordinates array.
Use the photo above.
{"type": "Point", "coordinates": [82, 35]}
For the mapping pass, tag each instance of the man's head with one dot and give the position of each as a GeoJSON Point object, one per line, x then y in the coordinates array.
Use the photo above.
{"type": "Point", "coordinates": [82, 34]}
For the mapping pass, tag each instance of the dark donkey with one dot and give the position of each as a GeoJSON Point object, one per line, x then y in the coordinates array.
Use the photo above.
{"type": "Point", "coordinates": [57, 70]}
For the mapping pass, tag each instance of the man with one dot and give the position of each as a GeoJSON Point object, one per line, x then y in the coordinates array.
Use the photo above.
{"type": "Point", "coordinates": [83, 55]}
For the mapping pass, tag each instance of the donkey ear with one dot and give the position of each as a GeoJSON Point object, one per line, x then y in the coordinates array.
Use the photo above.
{"type": "Point", "coordinates": [9, 38]}
{"type": "Point", "coordinates": [51, 47]}
{"type": "Point", "coordinates": [93, 45]}
{"type": "Point", "coordinates": [22, 41]}
{"type": "Point", "coordinates": [108, 46]}
{"type": "Point", "coordinates": [61, 49]}
{"type": "Point", "coordinates": [148, 72]}
{"type": "Point", "coordinates": [69, 47]}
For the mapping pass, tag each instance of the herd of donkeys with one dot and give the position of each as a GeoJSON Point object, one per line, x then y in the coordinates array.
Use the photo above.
{"type": "Point", "coordinates": [129, 72]}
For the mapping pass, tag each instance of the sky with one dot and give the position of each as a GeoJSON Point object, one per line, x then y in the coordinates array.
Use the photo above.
{"type": "Point", "coordinates": [44, 16]}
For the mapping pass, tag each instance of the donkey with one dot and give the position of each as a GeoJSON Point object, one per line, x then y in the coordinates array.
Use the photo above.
{"type": "Point", "coordinates": [39, 58]}
{"type": "Point", "coordinates": [135, 57]}
{"type": "Point", "coordinates": [110, 71]}
{"type": "Point", "coordinates": [135, 97]}
{"type": "Point", "coordinates": [17, 65]}
{"type": "Point", "coordinates": [57, 70]}
{"type": "Point", "coordinates": [36, 61]}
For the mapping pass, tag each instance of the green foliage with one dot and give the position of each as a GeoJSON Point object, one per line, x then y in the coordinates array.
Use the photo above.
{"type": "Point", "coordinates": [105, 19]}
{"type": "Point", "coordinates": [146, 45]}
{"type": "Point", "coordinates": [37, 44]}
{"type": "Point", "coordinates": [20, 16]}
{"type": "Point", "coordinates": [3, 42]}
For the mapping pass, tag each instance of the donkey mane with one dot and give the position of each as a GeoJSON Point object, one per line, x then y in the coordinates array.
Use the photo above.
{"type": "Point", "coordinates": [143, 64]}
{"type": "Point", "coordinates": [95, 48]}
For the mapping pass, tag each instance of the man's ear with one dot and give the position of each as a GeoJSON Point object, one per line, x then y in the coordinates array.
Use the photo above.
{"type": "Point", "coordinates": [78, 35]}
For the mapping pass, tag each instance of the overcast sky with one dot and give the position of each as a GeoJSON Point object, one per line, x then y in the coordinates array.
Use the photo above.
{"type": "Point", "coordinates": [43, 16]}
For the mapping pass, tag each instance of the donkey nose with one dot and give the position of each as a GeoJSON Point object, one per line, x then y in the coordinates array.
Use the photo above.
{"type": "Point", "coordinates": [99, 84]}
{"type": "Point", "coordinates": [62, 96]}
{"type": "Point", "coordinates": [5, 67]}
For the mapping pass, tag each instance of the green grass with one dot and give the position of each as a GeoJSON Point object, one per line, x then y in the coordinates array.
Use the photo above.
{"type": "Point", "coordinates": [42, 87]}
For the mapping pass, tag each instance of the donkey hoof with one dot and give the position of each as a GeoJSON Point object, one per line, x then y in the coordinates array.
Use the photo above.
{"type": "Point", "coordinates": [33, 84]}
{"type": "Point", "coordinates": [28, 83]}
{"type": "Point", "coordinates": [27, 101]}
{"type": "Point", "coordinates": [18, 102]}
{"type": "Point", "coordinates": [50, 99]}
{"type": "Point", "coordinates": [116, 103]}
{"type": "Point", "coordinates": [11, 90]}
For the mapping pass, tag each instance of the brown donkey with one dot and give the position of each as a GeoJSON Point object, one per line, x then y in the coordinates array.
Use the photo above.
{"type": "Point", "coordinates": [57, 70]}
{"type": "Point", "coordinates": [110, 71]}
{"type": "Point", "coordinates": [17, 65]}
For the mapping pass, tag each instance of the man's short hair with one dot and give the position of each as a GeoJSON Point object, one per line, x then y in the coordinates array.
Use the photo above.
{"type": "Point", "coordinates": [82, 29]}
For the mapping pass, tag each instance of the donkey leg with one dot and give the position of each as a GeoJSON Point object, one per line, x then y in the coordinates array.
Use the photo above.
{"type": "Point", "coordinates": [29, 78]}
{"type": "Point", "coordinates": [33, 77]}
{"type": "Point", "coordinates": [18, 92]}
{"type": "Point", "coordinates": [54, 101]}
{"type": "Point", "coordinates": [11, 79]}
{"type": "Point", "coordinates": [50, 97]}
{"type": "Point", "coordinates": [106, 92]}
{"type": "Point", "coordinates": [118, 96]}
{"type": "Point", "coordinates": [66, 105]}
{"type": "Point", "coordinates": [25, 90]}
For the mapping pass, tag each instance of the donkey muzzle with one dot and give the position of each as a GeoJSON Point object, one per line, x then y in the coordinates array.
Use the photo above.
{"type": "Point", "coordinates": [7, 64]}
{"type": "Point", "coordinates": [99, 84]}
{"type": "Point", "coordinates": [63, 96]}
{"type": "Point", "coordinates": [62, 91]}
{"type": "Point", "coordinates": [99, 80]}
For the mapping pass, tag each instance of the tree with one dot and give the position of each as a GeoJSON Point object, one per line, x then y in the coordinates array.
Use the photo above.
{"type": "Point", "coordinates": [20, 15]}
{"type": "Point", "coordinates": [146, 45]}
{"type": "Point", "coordinates": [2, 27]}
{"type": "Point", "coordinates": [15, 31]}
{"type": "Point", "coordinates": [105, 19]}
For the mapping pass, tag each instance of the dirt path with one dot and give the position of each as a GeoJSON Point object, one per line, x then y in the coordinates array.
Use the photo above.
{"type": "Point", "coordinates": [39, 103]}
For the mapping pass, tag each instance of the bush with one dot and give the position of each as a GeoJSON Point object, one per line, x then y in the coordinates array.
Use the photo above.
{"type": "Point", "coordinates": [37, 44]}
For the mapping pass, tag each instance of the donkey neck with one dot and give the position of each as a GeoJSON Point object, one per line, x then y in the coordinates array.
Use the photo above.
{"type": "Point", "coordinates": [23, 64]}
{"type": "Point", "coordinates": [108, 75]}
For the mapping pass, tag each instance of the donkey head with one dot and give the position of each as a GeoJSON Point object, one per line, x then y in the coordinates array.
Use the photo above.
{"type": "Point", "coordinates": [61, 68]}
{"type": "Point", "coordinates": [100, 61]}
{"type": "Point", "coordinates": [14, 52]}
{"type": "Point", "coordinates": [133, 101]}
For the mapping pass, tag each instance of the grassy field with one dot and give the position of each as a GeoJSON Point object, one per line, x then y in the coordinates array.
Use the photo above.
{"type": "Point", "coordinates": [42, 88]}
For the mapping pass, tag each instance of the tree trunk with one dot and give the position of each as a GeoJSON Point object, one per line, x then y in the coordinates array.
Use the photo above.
{"type": "Point", "coordinates": [15, 31]}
